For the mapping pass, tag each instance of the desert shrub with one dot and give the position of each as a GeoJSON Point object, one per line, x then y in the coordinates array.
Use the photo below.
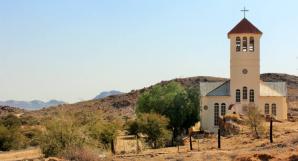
{"type": "Point", "coordinates": [3, 138]}
{"type": "Point", "coordinates": [87, 117]}
{"type": "Point", "coordinates": [255, 121]}
{"type": "Point", "coordinates": [134, 128]}
{"type": "Point", "coordinates": [29, 120]}
{"type": "Point", "coordinates": [14, 136]}
{"type": "Point", "coordinates": [75, 130]}
{"type": "Point", "coordinates": [11, 121]}
{"type": "Point", "coordinates": [33, 135]}
{"type": "Point", "coordinates": [154, 126]}
{"type": "Point", "coordinates": [59, 136]}
{"type": "Point", "coordinates": [108, 135]}
{"type": "Point", "coordinates": [94, 131]}
{"type": "Point", "coordinates": [11, 139]}
{"type": "Point", "coordinates": [80, 154]}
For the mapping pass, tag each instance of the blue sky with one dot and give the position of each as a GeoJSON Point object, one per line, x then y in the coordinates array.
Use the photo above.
{"type": "Point", "coordinates": [71, 50]}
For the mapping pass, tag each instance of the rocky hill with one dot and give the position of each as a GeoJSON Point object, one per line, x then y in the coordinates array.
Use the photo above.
{"type": "Point", "coordinates": [124, 104]}
{"type": "Point", "coordinates": [4, 110]}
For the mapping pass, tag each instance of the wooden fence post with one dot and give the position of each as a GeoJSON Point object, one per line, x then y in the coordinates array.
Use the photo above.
{"type": "Point", "coordinates": [190, 141]}
{"type": "Point", "coordinates": [113, 147]}
{"type": "Point", "coordinates": [218, 139]}
{"type": "Point", "coordinates": [271, 128]}
{"type": "Point", "coordinates": [198, 141]}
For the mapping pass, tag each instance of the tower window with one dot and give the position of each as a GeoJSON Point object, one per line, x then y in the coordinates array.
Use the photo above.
{"type": "Point", "coordinates": [251, 95]}
{"type": "Point", "coordinates": [273, 109]}
{"type": "Point", "coordinates": [238, 44]}
{"type": "Point", "coordinates": [216, 114]}
{"type": "Point", "coordinates": [266, 109]}
{"type": "Point", "coordinates": [238, 95]}
{"type": "Point", "coordinates": [244, 41]}
{"type": "Point", "coordinates": [251, 44]}
{"type": "Point", "coordinates": [244, 95]}
{"type": "Point", "coordinates": [223, 109]}
{"type": "Point", "coordinates": [244, 71]}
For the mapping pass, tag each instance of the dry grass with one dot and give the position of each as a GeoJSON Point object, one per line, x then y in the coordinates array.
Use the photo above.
{"type": "Point", "coordinates": [241, 147]}
{"type": "Point", "coordinates": [81, 154]}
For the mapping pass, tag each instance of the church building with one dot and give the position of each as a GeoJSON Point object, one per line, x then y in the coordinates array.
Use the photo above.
{"type": "Point", "coordinates": [244, 89]}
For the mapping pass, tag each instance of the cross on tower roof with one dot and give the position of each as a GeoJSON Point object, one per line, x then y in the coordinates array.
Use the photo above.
{"type": "Point", "coordinates": [244, 10]}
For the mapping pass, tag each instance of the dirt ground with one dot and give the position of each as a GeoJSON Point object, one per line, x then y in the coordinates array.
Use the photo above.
{"type": "Point", "coordinates": [33, 153]}
{"type": "Point", "coordinates": [241, 147]}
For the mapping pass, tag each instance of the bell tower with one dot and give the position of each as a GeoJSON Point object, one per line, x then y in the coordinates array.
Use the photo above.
{"type": "Point", "coordinates": [245, 64]}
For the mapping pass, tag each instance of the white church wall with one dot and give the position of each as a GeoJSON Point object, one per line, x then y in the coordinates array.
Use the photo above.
{"type": "Point", "coordinates": [281, 106]}
{"type": "Point", "coordinates": [207, 115]}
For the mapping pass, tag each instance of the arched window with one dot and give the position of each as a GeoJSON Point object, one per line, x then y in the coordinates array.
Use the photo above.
{"type": "Point", "coordinates": [223, 109]}
{"type": "Point", "coordinates": [266, 109]}
{"type": "Point", "coordinates": [251, 44]}
{"type": "Point", "coordinates": [244, 95]}
{"type": "Point", "coordinates": [251, 95]}
{"type": "Point", "coordinates": [244, 44]}
{"type": "Point", "coordinates": [273, 109]}
{"type": "Point", "coordinates": [238, 95]}
{"type": "Point", "coordinates": [238, 44]}
{"type": "Point", "coordinates": [216, 114]}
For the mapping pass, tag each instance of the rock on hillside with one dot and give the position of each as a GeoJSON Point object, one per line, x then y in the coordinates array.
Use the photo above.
{"type": "Point", "coordinates": [4, 110]}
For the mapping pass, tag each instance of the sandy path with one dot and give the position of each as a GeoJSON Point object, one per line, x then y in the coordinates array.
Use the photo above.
{"type": "Point", "coordinates": [21, 154]}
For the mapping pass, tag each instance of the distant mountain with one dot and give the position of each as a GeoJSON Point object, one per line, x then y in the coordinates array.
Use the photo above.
{"type": "Point", "coordinates": [31, 105]}
{"type": "Point", "coordinates": [107, 94]}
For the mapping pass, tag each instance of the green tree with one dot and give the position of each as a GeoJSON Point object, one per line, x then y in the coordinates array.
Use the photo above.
{"type": "Point", "coordinates": [175, 102]}
{"type": "Point", "coordinates": [108, 135]}
{"type": "Point", "coordinates": [155, 127]}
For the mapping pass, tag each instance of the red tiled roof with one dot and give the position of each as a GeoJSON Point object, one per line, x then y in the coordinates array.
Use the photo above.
{"type": "Point", "coordinates": [245, 27]}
